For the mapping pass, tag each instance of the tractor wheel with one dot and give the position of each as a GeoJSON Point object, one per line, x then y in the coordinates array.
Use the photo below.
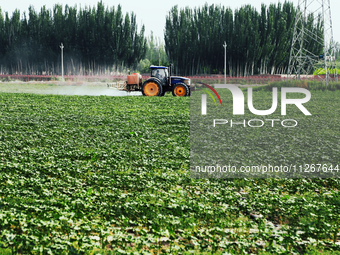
{"type": "Point", "coordinates": [152, 88]}
{"type": "Point", "coordinates": [180, 90]}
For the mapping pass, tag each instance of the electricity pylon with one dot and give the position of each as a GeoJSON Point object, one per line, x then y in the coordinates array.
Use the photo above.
{"type": "Point", "coordinates": [303, 61]}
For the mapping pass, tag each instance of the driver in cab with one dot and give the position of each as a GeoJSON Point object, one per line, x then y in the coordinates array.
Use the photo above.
{"type": "Point", "coordinates": [158, 75]}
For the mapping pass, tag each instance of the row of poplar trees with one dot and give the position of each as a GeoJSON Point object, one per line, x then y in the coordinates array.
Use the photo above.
{"type": "Point", "coordinates": [100, 39]}
{"type": "Point", "coordinates": [257, 42]}
{"type": "Point", "coordinates": [95, 40]}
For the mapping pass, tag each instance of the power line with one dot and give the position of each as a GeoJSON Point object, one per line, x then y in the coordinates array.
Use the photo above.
{"type": "Point", "coordinates": [302, 61]}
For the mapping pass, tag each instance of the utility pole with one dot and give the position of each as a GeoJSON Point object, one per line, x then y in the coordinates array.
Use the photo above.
{"type": "Point", "coordinates": [62, 61]}
{"type": "Point", "coordinates": [225, 62]}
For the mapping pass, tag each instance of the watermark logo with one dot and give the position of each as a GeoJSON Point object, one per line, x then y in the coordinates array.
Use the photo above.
{"type": "Point", "coordinates": [238, 100]}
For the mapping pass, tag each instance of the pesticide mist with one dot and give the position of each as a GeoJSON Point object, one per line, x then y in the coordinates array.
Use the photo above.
{"type": "Point", "coordinates": [80, 89]}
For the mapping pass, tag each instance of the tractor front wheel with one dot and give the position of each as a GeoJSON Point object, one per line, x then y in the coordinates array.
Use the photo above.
{"type": "Point", "coordinates": [152, 88]}
{"type": "Point", "coordinates": [180, 90]}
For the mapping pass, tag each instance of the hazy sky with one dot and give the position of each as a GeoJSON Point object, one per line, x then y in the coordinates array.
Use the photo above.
{"type": "Point", "coordinates": [152, 13]}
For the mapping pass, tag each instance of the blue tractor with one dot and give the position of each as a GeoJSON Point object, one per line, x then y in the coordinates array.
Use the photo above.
{"type": "Point", "coordinates": [161, 82]}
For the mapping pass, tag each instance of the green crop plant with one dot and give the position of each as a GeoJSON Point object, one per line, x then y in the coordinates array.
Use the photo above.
{"type": "Point", "coordinates": [110, 175]}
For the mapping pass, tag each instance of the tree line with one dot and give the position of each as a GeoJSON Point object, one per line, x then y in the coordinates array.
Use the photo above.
{"type": "Point", "coordinates": [257, 42]}
{"type": "Point", "coordinates": [101, 39]}
{"type": "Point", "coordinates": [95, 40]}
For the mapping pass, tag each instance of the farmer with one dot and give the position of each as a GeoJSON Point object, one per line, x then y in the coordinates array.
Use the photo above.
{"type": "Point", "coordinates": [158, 75]}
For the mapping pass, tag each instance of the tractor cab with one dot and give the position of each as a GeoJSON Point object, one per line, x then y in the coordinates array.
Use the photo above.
{"type": "Point", "coordinates": [161, 73]}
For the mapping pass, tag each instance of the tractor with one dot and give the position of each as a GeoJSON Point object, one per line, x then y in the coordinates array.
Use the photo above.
{"type": "Point", "coordinates": [161, 82]}
{"type": "Point", "coordinates": [158, 84]}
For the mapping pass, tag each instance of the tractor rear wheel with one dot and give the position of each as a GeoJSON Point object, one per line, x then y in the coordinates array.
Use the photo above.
{"type": "Point", "coordinates": [152, 88]}
{"type": "Point", "coordinates": [180, 90]}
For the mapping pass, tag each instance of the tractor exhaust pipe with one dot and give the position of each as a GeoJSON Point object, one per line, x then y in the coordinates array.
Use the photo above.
{"type": "Point", "coordinates": [170, 69]}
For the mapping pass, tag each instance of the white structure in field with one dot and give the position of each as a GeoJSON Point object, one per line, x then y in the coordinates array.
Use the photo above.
{"type": "Point", "coordinates": [302, 61]}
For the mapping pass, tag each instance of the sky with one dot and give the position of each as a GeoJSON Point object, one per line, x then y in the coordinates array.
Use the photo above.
{"type": "Point", "coordinates": [152, 13]}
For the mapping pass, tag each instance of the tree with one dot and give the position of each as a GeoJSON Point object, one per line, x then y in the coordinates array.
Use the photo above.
{"type": "Point", "coordinates": [257, 42]}
{"type": "Point", "coordinates": [95, 39]}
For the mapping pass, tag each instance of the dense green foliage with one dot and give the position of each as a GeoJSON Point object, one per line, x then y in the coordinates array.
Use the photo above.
{"type": "Point", "coordinates": [257, 42]}
{"type": "Point", "coordinates": [79, 172]}
{"type": "Point", "coordinates": [94, 39]}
